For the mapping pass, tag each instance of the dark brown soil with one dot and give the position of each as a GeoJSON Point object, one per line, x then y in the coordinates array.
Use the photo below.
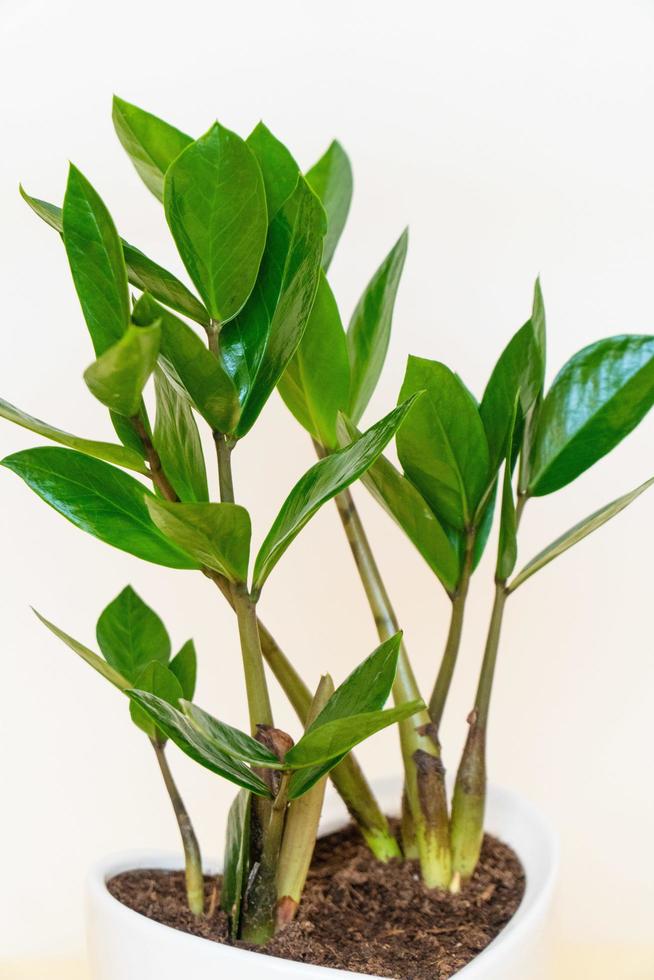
{"type": "Point", "coordinates": [360, 915]}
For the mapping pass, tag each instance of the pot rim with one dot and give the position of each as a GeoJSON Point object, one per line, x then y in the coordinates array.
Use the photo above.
{"type": "Point", "coordinates": [537, 897]}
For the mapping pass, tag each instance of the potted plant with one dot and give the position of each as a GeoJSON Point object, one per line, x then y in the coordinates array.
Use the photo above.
{"type": "Point", "coordinates": [433, 892]}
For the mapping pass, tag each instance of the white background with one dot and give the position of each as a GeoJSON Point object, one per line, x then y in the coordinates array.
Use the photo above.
{"type": "Point", "coordinates": [515, 139]}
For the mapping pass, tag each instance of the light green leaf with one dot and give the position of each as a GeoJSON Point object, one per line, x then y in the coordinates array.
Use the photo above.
{"type": "Point", "coordinates": [157, 679]}
{"type": "Point", "coordinates": [236, 866]}
{"type": "Point", "coordinates": [216, 535]}
{"type": "Point", "coordinates": [597, 399]}
{"type": "Point", "coordinates": [99, 499]}
{"type": "Point", "coordinates": [316, 383]}
{"type": "Point", "coordinates": [215, 204]}
{"type": "Point", "coordinates": [91, 658]}
{"type": "Point", "coordinates": [131, 635]}
{"type": "Point", "coordinates": [507, 548]}
{"type": "Point", "coordinates": [119, 375]}
{"type": "Point", "coordinates": [331, 179]}
{"type": "Point", "coordinates": [150, 143]}
{"type": "Point", "coordinates": [319, 484]}
{"type": "Point", "coordinates": [370, 328]}
{"type": "Point", "coordinates": [576, 534]}
{"type": "Point", "coordinates": [184, 666]}
{"type": "Point", "coordinates": [235, 743]}
{"type": "Point", "coordinates": [118, 455]}
{"type": "Point", "coordinates": [279, 169]}
{"type": "Point", "coordinates": [177, 441]}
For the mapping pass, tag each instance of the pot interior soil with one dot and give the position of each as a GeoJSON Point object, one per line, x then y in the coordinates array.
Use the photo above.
{"type": "Point", "coordinates": [358, 914]}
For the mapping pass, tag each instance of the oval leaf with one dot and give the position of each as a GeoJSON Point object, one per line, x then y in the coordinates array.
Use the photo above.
{"type": "Point", "coordinates": [177, 441]}
{"type": "Point", "coordinates": [184, 666]}
{"type": "Point", "coordinates": [131, 635]}
{"type": "Point", "coordinates": [216, 535]}
{"type": "Point", "coordinates": [331, 179]}
{"type": "Point", "coordinates": [150, 143]}
{"type": "Point", "coordinates": [118, 377]}
{"type": "Point", "coordinates": [279, 170]}
{"type": "Point", "coordinates": [157, 679]}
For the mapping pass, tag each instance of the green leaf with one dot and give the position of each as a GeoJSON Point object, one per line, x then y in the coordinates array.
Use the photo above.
{"type": "Point", "coordinates": [157, 679]}
{"type": "Point", "coordinates": [331, 179]}
{"type": "Point", "coordinates": [142, 272]}
{"type": "Point", "coordinates": [119, 455]}
{"type": "Point", "coordinates": [99, 499]}
{"type": "Point", "coordinates": [279, 169]}
{"type": "Point", "coordinates": [215, 204]}
{"type": "Point", "coordinates": [507, 548]}
{"type": "Point", "coordinates": [91, 658]}
{"type": "Point", "coordinates": [404, 503]}
{"type": "Point", "coordinates": [368, 686]}
{"type": "Point", "coordinates": [597, 398]}
{"type": "Point", "coordinates": [118, 377]}
{"type": "Point", "coordinates": [177, 441]}
{"type": "Point", "coordinates": [179, 730]}
{"type": "Point", "coordinates": [576, 534]}
{"type": "Point", "coordinates": [150, 143]}
{"type": "Point", "coordinates": [442, 445]}
{"type": "Point", "coordinates": [319, 484]}
{"type": "Point", "coordinates": [216, 535]}
{"type": "Point", "coordinates": [316, 382]}
{"type": "Point", "coordinates": [259, 344]}
{"type": "Point", "coordinates": [192, 365]}
{"type": "Point", "coordinates": [184, 666]}
{"type": "Point", "coordinates": [131, 635]}
{"type": "Point", "coordinates": [370, 328]}
{"type": "Point", "coordinates": [236, 866]}
{"type": "Point", "coordinates": [95, 254]}
{"type": "Point", "coordinates": [235, 743]}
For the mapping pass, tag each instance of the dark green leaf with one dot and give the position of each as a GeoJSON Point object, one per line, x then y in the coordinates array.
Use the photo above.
{"type": "Point", "coordinates": [368, 686]}
{"type": "Point", "coordinates": [597, 398]}
{"type": "Point", "coordinates": [484, 527]}
{"type": "Point", "coordinates": [216, 535]}
{"type": "Point", "coordinates": [215, 205]}
{"type": "Point", "coordinates": [159, 680]}
{"type": "Point", "coordinates": [235, 743]}
{"type": "Point", "coordinates": [179, 730]}
{"type": "Point", "coordinates": [192, 365]}
{"type": "Point", "coordinates": [316, 382]}
{"type": "Point", "coordinates": [131, 635]}
{"type": "Point", "coordinates": [184, 666]}
{"type": "Point", "coordinates": [576, 534]}
{"type": "Point", "coordinates": [331, 179]}
{"type": "Point", "coordinates": [279, 169]}
{"type": "Point", "coordinates": [119, 375]}
{"type": "Point", "coordinates": [91, 658]}
{"type": "Point", "coordinates": [96, 261]}
{"type": "Point", "coordinates": [370, 328]}
{"type": "Point", "coordinates": [99, 499]}
{"type": "Point", "coordinates": [507, 548]}
{"type": "Point", "coordinates": [118, 455]}
{"type": "Point", "coordinates": [442, 446]}
{"type": "Point", "coordinates": [177, 441]}
{"type": "Point", "coordinates": [319, 484]}
{"type": "Point", "coordinates": [150, 143]}
{"type": "Point", "coordinates": [236, 866]}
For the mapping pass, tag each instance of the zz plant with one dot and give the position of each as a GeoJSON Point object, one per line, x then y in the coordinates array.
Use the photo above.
{"type": "Point", "coordinates": [257, 237]}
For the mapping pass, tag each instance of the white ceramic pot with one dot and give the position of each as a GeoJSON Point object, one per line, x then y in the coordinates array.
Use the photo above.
{"type": "Point", "coordinates": [124, 945]}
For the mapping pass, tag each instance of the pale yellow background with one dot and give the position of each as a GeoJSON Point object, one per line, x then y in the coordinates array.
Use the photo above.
{"type": "Point", "coordinates": [514, 138]}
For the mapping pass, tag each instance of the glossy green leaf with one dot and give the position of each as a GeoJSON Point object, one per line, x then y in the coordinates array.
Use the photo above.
{"type": "Point", "coordinates": [184, 666]}
{"type": "Point", "coordinates": [215, 204]}
{"type": "Point", "coordinates": [177, 441]}
{"type": "Point", "coordinates": [191, 363]}
{"type": "Point", "coordinates": [92, 659]}
{"type": "Point", "coordinates": [442, 446]}
{"type": "Point", "coordinates": [484, 527]}
{"type": "Point", "coordinates": [370, 328]}
{"type": "Point", "coordinates": [319, 484]}
{"type": "Point", "coordinates": [279, 169]}
{"type": "Point", "coordinates": [404, 503]}
{"type": "Point", "coordinates": [179, 730]}
{"type": "Point", "coordinates": [119, 375]}
{"type": "Point", "coordinates": [367, 688]}
{"type": "Point", "coordinates": [95, 254]}
{"type": "Point", "coordinates": [99, 499]}
{"type": "Point", "coordinates": [156, 679]}
{"type": "Point", "coordinates": [131, 635]}
{"type": "Point", "coordinates": [236, 865]}
{"type": "Point", "coordinates": [316, 383]}
{"type": "Point", "coordinates": [597, 398]}
{"type": "Point", "coordinates": [259, 344]}
{"type": "Point", "coordinates": [331, 179]}
{"type": "Point", "coordinates": [150, 143]}
{"type": "Point", "coordinates": [142, 272]}
{"type": "Point", "coordinates": [216, 535]}
{"type": "Point", "coordinates": [118, 455]}
{"type": "Point", "coordinates": [576, 534]}
{"type": "Point", "coordinates": [235, 743]}
{"type": "Point", "coordinates": [507, 548]}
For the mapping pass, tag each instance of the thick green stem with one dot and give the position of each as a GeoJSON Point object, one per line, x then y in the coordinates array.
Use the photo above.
{"type": "Point", "coordinates": [255, 677]}
{"type": "Point", "coordinates": [424, 773]}
{"type": "Point", "coordinates": [259, 918]}
{"type": "Point", "coordinates": [192, 855]}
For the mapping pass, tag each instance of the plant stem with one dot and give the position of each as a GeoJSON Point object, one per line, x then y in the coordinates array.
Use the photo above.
{"type": "Point", "coordinates": [258, 922]}
{"type": "Point", "coordinates": [253, 669]}
{"type": "Point", "coordinates": [192, 856]}
{"type": "Point", "coordinates": [448, 663]}
{"type": "Point", "coordinates": [157, 474]}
